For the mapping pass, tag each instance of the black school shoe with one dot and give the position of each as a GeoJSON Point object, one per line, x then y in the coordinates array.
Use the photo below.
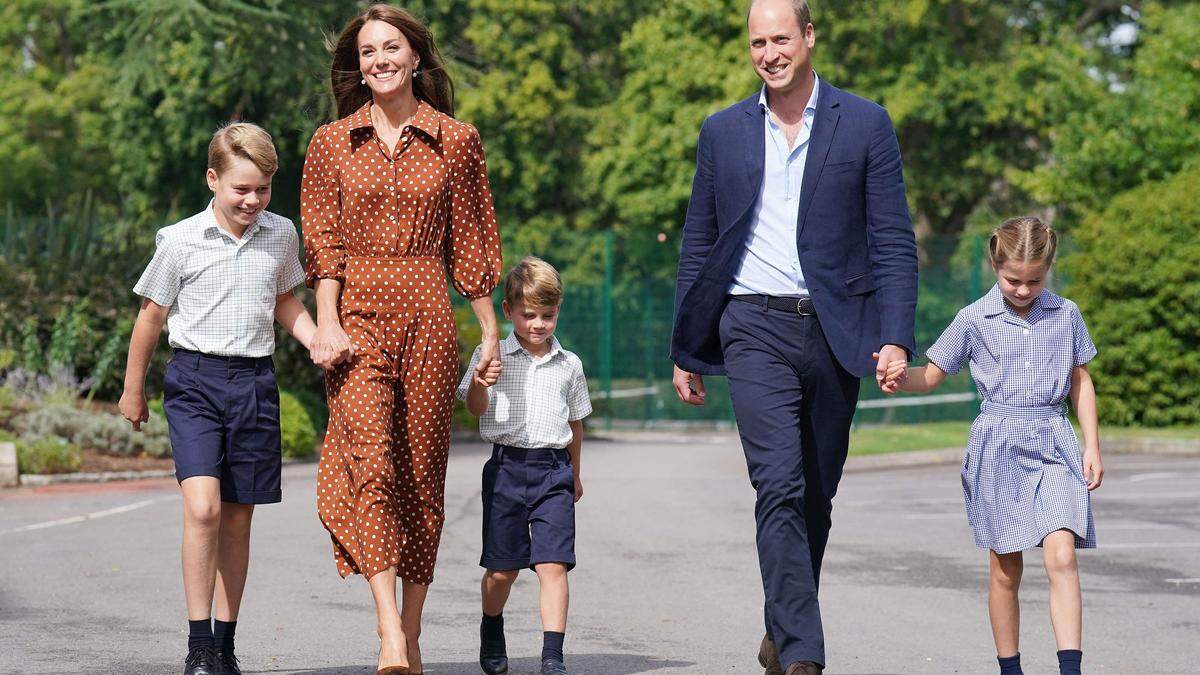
{"type": "Point", "coordinates": [553, 667]}
{"type": "Point", "coordinates": [229, 663]}
{"type": "Point", "coordinates": [493, 657]}
{"type": "Point", "coordinates": [202, 661]}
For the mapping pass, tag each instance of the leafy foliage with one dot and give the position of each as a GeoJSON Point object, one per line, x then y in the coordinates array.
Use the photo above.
{"type": "Point", "coordinates": [1137, 283]}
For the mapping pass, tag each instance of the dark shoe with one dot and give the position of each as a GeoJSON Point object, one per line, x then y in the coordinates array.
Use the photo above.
{"type": "Point", "coordinates": [552, 667]}
{"type": "Point", "coordinates": [202, 661]}
{"type": "Point", "coordinates": [768, 657]}
{"type": "Point", "coordinates": [493, 657]}
{"type": "Point", "coordinates": [229, 663]}
{"type": "Point", "coordinates": [804, 668]}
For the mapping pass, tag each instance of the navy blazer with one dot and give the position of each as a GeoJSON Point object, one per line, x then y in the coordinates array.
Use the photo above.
{"type": "Point", "coordinates": [854, 233]}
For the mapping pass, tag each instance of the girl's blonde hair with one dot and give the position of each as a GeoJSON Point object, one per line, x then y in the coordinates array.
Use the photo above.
{"type": "Point", "coordinates": [245, 140]}
{"type": "Point", "coordinates": [1024, 239]}
{"type": "Point", "coordinates": [534, 282]}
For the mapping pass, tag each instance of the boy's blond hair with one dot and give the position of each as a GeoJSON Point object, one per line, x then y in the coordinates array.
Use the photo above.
{"type": "Point", "coordinates": [1024, 239]}
{"type": "Point", "coordinates": [245, 140]}
{"type": "Point", "coordinates": [534, 282]}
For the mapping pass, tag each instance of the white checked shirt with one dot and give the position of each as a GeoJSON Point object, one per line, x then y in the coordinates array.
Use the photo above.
{"type": "Point", "coordinates": [534, 399]}
{"type": "Point", "coordinates": [221, 290]}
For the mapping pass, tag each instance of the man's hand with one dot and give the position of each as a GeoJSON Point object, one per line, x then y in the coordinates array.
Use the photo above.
{"type": "Point", "coordinates": [897, 373]}
{"type": "Point", "coordinates": [886, 356]}
{"type": "Point", "coordinates": [578, 487]}
{"type": "Point", "coordinates": [689, 386]}
{"type": "Point", "coordinates": [133, 408]}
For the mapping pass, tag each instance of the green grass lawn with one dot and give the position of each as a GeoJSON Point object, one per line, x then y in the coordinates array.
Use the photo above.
{"type": "Point", "coordinates": [939, 435]}
{"type": "Point", "coordinates": [904, 437]}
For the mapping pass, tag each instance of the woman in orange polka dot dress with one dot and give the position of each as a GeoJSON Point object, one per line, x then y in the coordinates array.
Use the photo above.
{"type": "Point", "coordinates": [395, 199]}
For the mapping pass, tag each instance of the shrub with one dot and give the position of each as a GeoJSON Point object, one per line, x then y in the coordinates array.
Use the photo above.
{"type": "Point", "coordinates": [299, 434]}
{"type": "Point", "coordinates": [102, 432]}
{"type": "Point", "coordinates": [1135, 277]}
{"type": "Point", "coordinates": [48, 455]}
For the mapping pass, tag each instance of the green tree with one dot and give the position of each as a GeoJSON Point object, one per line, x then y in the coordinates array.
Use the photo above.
{"type": "Point", "coordinates": [1135, 278]}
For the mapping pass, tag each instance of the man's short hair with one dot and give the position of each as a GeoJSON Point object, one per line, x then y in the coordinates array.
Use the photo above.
{"type": "Point", "coordinates": [533, 282]}
{"type": "Point", "coordinates": [800, 7]}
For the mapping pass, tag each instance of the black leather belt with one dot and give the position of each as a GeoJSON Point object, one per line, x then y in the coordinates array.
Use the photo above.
{"type": "Point", "coordinates": [802, 306]}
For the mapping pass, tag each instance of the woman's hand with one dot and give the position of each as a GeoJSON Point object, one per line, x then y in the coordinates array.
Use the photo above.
{"type": "Point", "coordinates": [487, 372]}
{"type": "Point", "coordinates": [330, 345]}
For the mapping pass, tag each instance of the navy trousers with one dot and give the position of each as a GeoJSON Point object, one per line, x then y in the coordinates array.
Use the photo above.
{"type": "Point", "coordinates": [794, 404]}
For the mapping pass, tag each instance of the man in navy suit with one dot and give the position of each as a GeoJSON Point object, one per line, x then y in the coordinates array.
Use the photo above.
{"type": "Point", "coordinates": [797, 276]}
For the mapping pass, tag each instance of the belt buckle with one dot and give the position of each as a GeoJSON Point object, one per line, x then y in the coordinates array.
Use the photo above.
{"type": "Point", "coordinates": [800, 307]}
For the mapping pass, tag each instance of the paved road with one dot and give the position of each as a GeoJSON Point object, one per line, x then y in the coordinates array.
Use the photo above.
{"type": "Point", "coordinates": [667, 581]}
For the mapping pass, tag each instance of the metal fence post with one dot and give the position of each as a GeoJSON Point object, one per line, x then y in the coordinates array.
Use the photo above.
{"type": "Point", "coordinates": [606, 326]}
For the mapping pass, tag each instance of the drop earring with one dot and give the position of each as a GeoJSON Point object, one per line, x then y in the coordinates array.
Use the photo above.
{"type": "Point", "coordinates": [362, 81]}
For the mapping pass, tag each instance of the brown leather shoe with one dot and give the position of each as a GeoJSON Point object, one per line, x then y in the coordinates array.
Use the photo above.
{"type": "Point", "coordinates": [768, 657]}
{"type": "Point", "coordinates": [804, 668]}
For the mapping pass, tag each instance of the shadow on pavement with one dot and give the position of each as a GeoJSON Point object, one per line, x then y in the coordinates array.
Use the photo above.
{"type": "Point", "coordinates": [581, 664]}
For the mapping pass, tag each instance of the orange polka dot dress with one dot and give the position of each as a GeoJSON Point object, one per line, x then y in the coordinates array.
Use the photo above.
{"type": "Point", "coordinates": [392, 230]}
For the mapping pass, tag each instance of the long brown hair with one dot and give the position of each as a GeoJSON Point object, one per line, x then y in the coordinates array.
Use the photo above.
{"type": "Point", "coordinates": [430, 84]}
{"type": "Point", "coordinates": [1024, 239]}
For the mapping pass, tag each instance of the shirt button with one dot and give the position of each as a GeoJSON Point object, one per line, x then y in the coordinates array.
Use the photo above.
{"type": "Point", "coordinates": [1025, 331]}
{"type": "Point", "coordinates": [1026, 363]}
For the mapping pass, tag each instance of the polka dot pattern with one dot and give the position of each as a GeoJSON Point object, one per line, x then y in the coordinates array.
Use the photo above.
{"type": "Point", "coordinates": [392, 229]}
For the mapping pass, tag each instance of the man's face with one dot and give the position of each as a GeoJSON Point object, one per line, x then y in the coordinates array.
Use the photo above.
{"type": "Point", "coordinates": [780, 48]}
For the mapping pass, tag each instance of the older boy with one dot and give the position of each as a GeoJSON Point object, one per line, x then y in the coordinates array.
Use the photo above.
{"type": "Point", "coordinates": [219, 279]}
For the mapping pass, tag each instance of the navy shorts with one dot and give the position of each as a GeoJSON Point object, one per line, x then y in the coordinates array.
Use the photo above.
{"type": "Point", "coordinates": [528, 508]}
{"type": "Point", "coordinates": [223, 418]}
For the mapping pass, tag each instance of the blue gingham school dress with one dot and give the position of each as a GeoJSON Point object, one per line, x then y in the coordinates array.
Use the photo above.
{"type": "Point", "coordinates": [1022, 472]}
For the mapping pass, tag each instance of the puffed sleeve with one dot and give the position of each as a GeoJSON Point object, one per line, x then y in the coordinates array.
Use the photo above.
{"type": "Point", "coordinates": [324, 250]}
{"type": "Point", "coordinates": [473, 237]}
{"type": "Point", "coordinates": [953, 347]}
{"type": "Point", "coordinates": [1084, 348]}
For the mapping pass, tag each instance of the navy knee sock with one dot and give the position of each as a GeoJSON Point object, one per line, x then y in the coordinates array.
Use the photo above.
{"type": "Point", "coordinates": [1069, 661]}
{"type": "Point", "coordinates": [552, 645]}
{"type": "Point", "coordinates": [491, 628]}
{"type": "Point", "coordinates": [223, 635]}
{"type": "Point", "coordinates": [200, 634]}
{"type": "Point", "coordinates": [1010, 665]}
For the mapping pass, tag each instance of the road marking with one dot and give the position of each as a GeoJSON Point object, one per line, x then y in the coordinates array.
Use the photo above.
{"type": "Point", "coordinates": [1139, 477]}
{"type": "Point", "coordinates": [1182, 581]}
{"type": "Point", "coordinates": [90, 516]}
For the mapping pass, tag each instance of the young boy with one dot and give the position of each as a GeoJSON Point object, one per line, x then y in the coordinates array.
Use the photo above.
{"type": "Point", "coordinates": [219, 279]}
{"type": "Point", "coordinates": [531, 406]}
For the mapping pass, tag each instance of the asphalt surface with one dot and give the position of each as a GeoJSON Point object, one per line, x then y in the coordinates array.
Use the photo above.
{"type": "Point", "coordinates": [667, 579]}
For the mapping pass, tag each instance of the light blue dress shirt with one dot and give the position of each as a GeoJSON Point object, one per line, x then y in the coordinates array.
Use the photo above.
{"type": "Point", "coordinates": [771, 263]}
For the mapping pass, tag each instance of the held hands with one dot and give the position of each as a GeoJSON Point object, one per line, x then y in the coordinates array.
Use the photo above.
{"type": "Point", "coordinates": [133, 408]}
{"type": "Point", "coordinates": [487, 372]}
{"type": "Point", "coordinates": [891, 368]}
{"type": "Point", "coordinates": [330, 346]}
{"type": "Point", "coordinates": [688, 386]}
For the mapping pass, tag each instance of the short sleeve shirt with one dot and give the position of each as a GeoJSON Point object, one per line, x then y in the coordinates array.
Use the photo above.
{"type": "Point", "coordinates": [535, 399]}
{"type": "Point", "coordinates": [221, 290]}
{"type": "Point", "coordinates": [1016, 361]}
